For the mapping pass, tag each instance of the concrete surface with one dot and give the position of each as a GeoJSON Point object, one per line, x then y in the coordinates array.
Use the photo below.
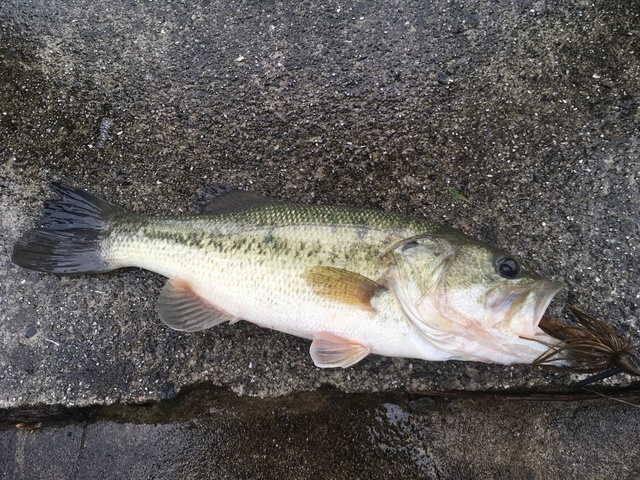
{"type": "Point", "coordinates": [207, 433]}
{"type": "Point", "coordinates": [530, 110]}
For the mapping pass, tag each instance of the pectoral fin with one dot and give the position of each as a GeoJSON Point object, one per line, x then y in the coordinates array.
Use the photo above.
{"type": "Point", "coordinates": [182, 309]}
{"type": "Point", "coordinates": [343, 286]}
{"type": "Point", "coordinates": [329, 350]}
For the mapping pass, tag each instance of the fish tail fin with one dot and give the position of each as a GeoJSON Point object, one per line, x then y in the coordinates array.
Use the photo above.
{"type": "Point", "coordinates": [69, 237]}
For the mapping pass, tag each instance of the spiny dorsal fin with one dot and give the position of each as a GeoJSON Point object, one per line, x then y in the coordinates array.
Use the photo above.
{"type": "Point", "coordinates": [182, 309]}
{"type": "Point", "coordinates": [330, 351]}
{"type": "Point", "coordinates": [343, 286]}
{"type": "Point", "coordinates": [220, 198]}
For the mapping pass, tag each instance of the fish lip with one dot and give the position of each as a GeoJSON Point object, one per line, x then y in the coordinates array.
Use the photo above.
{"type": "Point", "coordinates": [546, 292]}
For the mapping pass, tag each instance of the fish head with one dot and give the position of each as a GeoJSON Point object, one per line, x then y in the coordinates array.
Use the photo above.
{"type": "Point", "coordinates": [471, 300]}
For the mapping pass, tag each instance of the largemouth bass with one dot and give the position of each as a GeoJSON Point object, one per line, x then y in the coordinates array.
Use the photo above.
{"type": "Point", "coordinates": [354, 281]}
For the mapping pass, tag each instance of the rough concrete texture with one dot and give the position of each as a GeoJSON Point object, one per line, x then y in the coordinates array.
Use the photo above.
{"type": "Point", "coordinates": [530, 110]}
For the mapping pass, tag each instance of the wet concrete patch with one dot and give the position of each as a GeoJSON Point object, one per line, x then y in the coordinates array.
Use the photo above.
{"type": "Point", "coordinates": [208, 431]}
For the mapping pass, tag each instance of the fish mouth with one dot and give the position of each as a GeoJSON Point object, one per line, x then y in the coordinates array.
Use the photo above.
{"type": "Point", "coordinates": [546, 292]}
{"type": "Point", "coordinates": [519, 309]}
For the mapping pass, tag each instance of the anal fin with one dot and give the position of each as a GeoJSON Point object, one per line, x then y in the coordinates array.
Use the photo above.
{"type": "Point", "coordinates": [329, 351]}
{"type": "Point", "coordinates": [181, 308]}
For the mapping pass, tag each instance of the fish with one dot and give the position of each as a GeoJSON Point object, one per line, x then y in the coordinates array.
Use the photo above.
{"type": "Point", "coordinates": [354, 281]}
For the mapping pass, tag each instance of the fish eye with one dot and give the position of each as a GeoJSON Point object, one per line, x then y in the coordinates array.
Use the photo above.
{"type": "Point", "coordinates": [507, 267]}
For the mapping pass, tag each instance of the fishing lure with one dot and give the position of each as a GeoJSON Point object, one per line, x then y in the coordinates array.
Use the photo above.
{"type": "Point", "coordinates": [590, 346]}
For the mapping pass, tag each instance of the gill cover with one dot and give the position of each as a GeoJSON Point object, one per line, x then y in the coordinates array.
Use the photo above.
{"type": "Point", "coordinates": [417, 280]}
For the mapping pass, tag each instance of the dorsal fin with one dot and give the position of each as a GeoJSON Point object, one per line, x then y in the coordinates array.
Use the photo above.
{"type": "Point", "coordinates": [220, 198]}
